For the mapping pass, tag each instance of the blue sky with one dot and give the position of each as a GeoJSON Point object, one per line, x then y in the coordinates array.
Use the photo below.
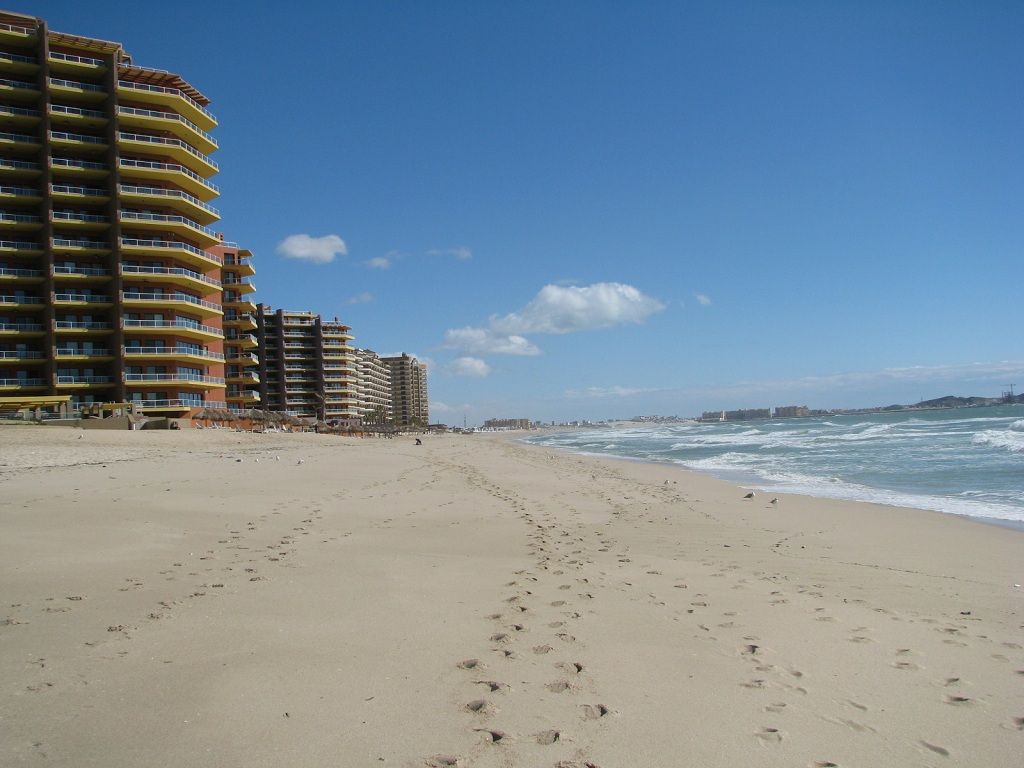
{"type": "Point", "coordinates": [593, 209]}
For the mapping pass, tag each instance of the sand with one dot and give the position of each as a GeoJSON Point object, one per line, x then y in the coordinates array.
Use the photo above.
{"type": "Point", "coordinates": [168, 600]}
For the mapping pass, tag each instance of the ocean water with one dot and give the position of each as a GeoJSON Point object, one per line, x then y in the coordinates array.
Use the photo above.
{"type": "Point", "coordinates": [964, 461]}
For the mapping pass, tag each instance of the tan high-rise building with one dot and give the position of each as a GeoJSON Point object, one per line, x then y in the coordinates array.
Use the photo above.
{"type": "Point", "coordinates": [241, 363]}
{"type": "Point", "coordinates": [306, 365]}
{"type": "Point", "coordinates": [108, 289]}
{"type": "Point", "coordinates": [374, 387]}
{"type": "Point", "coordinates": [408, 391]}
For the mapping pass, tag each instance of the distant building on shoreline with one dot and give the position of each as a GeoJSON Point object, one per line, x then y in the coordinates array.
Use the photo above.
{"type": "Point", "coordinates": [409, 402]}
{"type": "Point", "coordinates": [791, 411]}
{"type": "Point", "coordinates": [508, 424]}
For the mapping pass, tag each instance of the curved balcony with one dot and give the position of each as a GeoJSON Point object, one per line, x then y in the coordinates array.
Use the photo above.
{"type": "Point", "coordinates": [171, 301]}
{"type": "Point", "coordinates": [18, 89]}
{"type": "Point", "coordinates": [170, 97]}
{"type": "Point", "coordinates": [80, 168]}
{"type": "Point", "coordinates": [81, 142]}
{"type": "Point", "coordinates": [239, 286]}
{"type": "Point", "coordinates": [63, 115]}
{"type": "Point", "coordinates": [82, 300]}
{"type": "Point", "coordinates": [245, 377]}
{"type": "Point", "coordinates": [65, 192]}
{"type": "Point", "coordinates": [176, 405]}
{"type": "Point", "coordinates": [186, 354]}
{"type": "Point", "coordinates": [165, 223]}
{"type": "Point", "coordinates": [70, 64]}
{"type": "Point", "coordinates": [177, 124]}
{"type": "Point", "coordinates": [181, 151]}
{"type": "Point", "coordinates": [81, 246]}
{"type": "Point", "coordinates": [19, 221]}
{"type": "Point", "coordinates": [244, 340]}
{"type": "Point", "coordinates": [169, 276]}
{"type": "Point", "coordinates": [172, 198]}
{"type": "Point", "coordinates": [184, 380]}
{"type": "Point", "coordinates": [21, 330]}
{"type": "Point", "coordinates": [239, 357]}
{"type": "Point", "coordinates": [183, 177]}
{"type": "Point", "coordinates": [179, 327]}
{"type": "Point", "coordinates": [244, 396]}
{"type": "Point", "coordinates": [21, 276]}
{"type": "Point", "coordinates": [82, 327]}
{"type": "Point", "coordinates": [170, 249]}
{"type": "Point", "coordinates": [239, 266]}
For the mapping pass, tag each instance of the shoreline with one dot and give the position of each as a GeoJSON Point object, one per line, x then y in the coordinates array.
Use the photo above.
{"type": "Point", "coordinates": [177, 598]}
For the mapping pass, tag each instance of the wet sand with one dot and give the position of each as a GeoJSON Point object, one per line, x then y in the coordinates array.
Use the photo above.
{"type": "Point", "coordinates": [167, 599]}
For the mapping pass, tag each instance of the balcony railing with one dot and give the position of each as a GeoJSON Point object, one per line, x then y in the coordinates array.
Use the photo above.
{"type": "Point", "coordinates": [163, 297]}
{"type": "Point", "coordinates": [64, 189]}
{"type": "Point", "coordinates": [5, 56]}
{"type": "Point", "coordinates": [173, 91]}
{"type": "Point", "coordinates": [167, 116]}
{"type": "Point", "coordinates": [170, 324]}
{"type": "Point", "coordinates": [178, 403]}
{"type": "Point", "coordinates": [129, 163]}
{"type": "Point", "coordinates": [61, 242]}
{"type": "Point", "coordinates": [76, 84]}
{"type": "Point", "coordinates": [86, 298]}
{"type": "Point", "coordinates": [134, 270]}
{"type": "Point", "coordinates": [144, 377]}
{"type": "Point", "coordinates": [63, 269]}
{"type": "Point", "coordinates": [147, 139]}
{"type": "Point", "coordinates": [61, 109]}
{"type": "Point", "coordinates": [21, 138]}
{"type": "Point", "coordinates": [19, 218]}
{"type": "Point", "coordinates": [11, 299]}
{"type": "Point", "coordinates": [172, 352]}
{"type": "Point", "coordinates": [20, 191]}
{"type": "Point", "coordinates": [19, 165]}
{"type": "Point", "coordinates": [82, 137]}
{"type": "Point", "coordinates": [78, 216]}
{"type": "Point", "coordinates": [128, 189]}
{"type": "Point", "coordinates": [162, 217]}
{"type": "Point", "coordinates": [84, 380]}
{"type": "Point", "coordinates": [22, 355]}
{"type": "Point", "coordinates": [132, 241]}
{"type": "Point", "coordinates": [20, 327]}
{"type": "Point", "coordinates": [19, 84]}
{"type": "Point", "coordinates": [85, 165]}
{"type": "Point", "coordinates": [92, 325]}
{"type": "Point", "coordinates": [19, 272]}
{"type": "Point", "coordinates": [75, 352]}
{"type": "Point", "coordinates": [75, 59]}
{"type": "Point", "coordinates": [21, 382]}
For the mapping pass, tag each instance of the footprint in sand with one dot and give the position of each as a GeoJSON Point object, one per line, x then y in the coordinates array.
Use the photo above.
{"type": "Point", "coordinates": [770, 735]}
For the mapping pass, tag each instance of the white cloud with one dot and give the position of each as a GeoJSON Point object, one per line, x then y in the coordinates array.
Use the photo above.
{"type": "Point", "coordinates": [473, 367]}
{"type": "Point", "coordinates": [702, 299]}
{"type": "Point", "coordinates": [379, 262]}
{"type": "Point", "coordinates": [361, 298]}
{"type": "Point", "coordinates": [317, 250]}
{"type": "Point", "coordinates": [462, 253]}
{"type": "Point", "coordinates": [560, 309]}
{"type": "Point", "coordinates": [436, 406]}
{"type": "Point", "coordinates": [482, 342]}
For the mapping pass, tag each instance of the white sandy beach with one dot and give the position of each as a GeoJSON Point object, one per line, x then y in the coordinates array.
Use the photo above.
{"type": "Point", "coordinates": [479, 602]}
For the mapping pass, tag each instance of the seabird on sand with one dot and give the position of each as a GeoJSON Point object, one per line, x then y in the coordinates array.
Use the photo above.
{"type": "Point", "coordinates": [749, 495]}
{"type": "Point", "coordinates": [774, 501]}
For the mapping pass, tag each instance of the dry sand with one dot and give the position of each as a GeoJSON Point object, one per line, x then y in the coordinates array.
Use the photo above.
{"type": "Point", "coordinates": [478, 602]}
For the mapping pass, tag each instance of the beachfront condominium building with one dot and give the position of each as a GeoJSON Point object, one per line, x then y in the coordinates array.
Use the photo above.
{"type": "Point", "coordinates": [306, 365]}
{"type": "Point", "coordinates": [408, 391]}
{"type": "Point", "coordinates": [241, 363]}
{"type": "Point", "coordinates": [374, 386]}
{"type": "Point", "coordinates": [110, 278]}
